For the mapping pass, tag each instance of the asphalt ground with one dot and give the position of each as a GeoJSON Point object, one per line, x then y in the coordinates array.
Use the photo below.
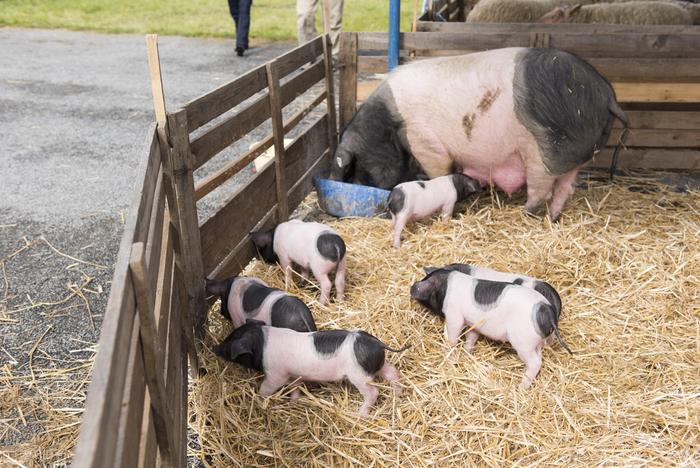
{"type": "Point", "coordinates": [74, 111]}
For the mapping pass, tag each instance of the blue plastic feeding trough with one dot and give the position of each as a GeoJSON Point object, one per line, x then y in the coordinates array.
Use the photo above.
{"type": "Point", "coordinates": [342, 199]}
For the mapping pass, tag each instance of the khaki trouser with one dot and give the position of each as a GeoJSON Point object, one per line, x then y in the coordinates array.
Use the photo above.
{"type": "Point", "coordinates": [306, 21]}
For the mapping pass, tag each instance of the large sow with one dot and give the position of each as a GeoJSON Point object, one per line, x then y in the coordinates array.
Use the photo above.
{"type": "Point", "coordinates": [506, 117]}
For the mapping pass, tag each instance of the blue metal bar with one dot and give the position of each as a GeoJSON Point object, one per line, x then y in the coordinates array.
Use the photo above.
{"type": "Point", "coordinates": [394, 21]}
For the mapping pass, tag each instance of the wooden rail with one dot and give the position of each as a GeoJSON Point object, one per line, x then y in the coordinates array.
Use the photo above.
{"type": "Point", "coordinates": [133, 392]}
{"type": "Point", "coordinates": [136, 412]}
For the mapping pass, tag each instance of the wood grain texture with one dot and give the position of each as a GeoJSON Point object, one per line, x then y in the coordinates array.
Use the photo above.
{"type": "Point", "coordinates": [190, 244]}
{"type": "Point", "coordinates": [278, 139]}
{"type": "Point", "coordinates": [614, 69]}
{"type": "Point", "coordinates": [301, 82]}
{"type": "Point", "coordinates": [659, 138]}
{"type": "Point", "coordinates": [601, 44]}
{"type": "Point", "coordinates": [129, 432]}
{"type": "Point", "coordinates": [217, 178]}
{"type": "Point", "coordinates": [97, 444]}
{"type": "Point", "coordinates": [657, 92]}
{"type": "Point", "coordinates": [206, 108]}
{"type": "Point", "coordinates": [299, 56]}
{"type": "Point", "coordinates": [205, 146]}
{"type": "Point", "coordinates": [239, 256]}
{"type": "Point", "coordinates": [348, 77]}
{"type": "Point", "coordinates": [152, 353]}
{"type": "Point", "coordinates": [662, 119]}
{"type": "Point", "coordinates": [240, 213]}
{"type": "Point", "coordinates": [651, 158]}
{"type": "Point", "coordinates": [148, 449]}
{"type": "Point", "coordinates": [304, 185]}
{"type": "Point", "coordinates": [156, 78]}
{"type": "Point", "coordinates": [305, 150]}
{"type": "Point", "coordinates": [330, 94]}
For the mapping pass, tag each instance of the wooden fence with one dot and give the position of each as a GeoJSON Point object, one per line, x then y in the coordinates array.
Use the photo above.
{"type": "Point", "coordinates": [136, 411]}
{"type": "Point", "coordinates": [655, 71]}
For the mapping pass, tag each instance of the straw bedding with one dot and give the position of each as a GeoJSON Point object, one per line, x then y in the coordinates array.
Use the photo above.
{"type": "Point", "coordinates": [627, 266]}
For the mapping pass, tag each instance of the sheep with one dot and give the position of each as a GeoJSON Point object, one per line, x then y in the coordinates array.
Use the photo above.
{"type": "Point", "coordinates": [619, 13]}
{"type": "Point", "coordinates": [513, 11]}
{"type": "Point", "coordinates": [692, 8]}
{"type": "Point", "coordinates": [530, 11]}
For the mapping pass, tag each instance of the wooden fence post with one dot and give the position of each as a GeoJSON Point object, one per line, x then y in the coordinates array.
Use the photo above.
{"type": "Point", "coordinates": [348, 77]}
{"type": "Point", "coordinates": [330, 95]}
{"type": "Point", "coordinates": [181, 164]}
{"type": "Point", "coordinates": [153, 362]}
{"type": "Point", "coordinates": [273, 85]}
{"type": "Point", "coordinates": [165, 148]}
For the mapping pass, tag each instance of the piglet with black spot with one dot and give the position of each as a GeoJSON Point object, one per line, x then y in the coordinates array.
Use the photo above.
{"type": "Point", "coordinates": [542, 287]}
{"type": "Point", "coordinates": [420, 199]}
{"type": "Point", "coordinates": [287, 356]}
{"type": "Point", "coordinates": [500, 311]}
{"type": "Point", "coordinates": [312, 247]}
{"type": "Point", "coordinates": [244, 298]}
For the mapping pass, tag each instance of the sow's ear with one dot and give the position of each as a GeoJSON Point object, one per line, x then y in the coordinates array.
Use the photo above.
{"type": "Point", "coordinates": [429, 270]}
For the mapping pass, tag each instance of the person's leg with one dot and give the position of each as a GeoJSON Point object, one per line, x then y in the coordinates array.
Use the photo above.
{"type": "Point", "coordinates": [306, 20]}
{"type": "Point", "coordinates": [336, 20]}
{"type": "Point", "coordinates": [233, 9]}
{"type": "Point", "coordinates": [243, 26]}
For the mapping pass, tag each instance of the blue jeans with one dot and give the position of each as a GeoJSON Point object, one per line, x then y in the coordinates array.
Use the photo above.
{"type": "Point", "coordinates": [240, 11]}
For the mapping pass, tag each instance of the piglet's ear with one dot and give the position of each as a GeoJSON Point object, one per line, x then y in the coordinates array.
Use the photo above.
{"type": "Point", "coordinates": [261, 238]}
{"type": "Point", "coordinates": [231, 350]}
{"type": "Point", "coordinates": [420, 290]}
{"type": "Point", "coordinates": [216, 287]}
{"type": "Point", "coordinates": [429, 269]}
{"type": "Point", "coordinates": [220, 350]}
{"type": "Point", "coordinates": [474, 186]}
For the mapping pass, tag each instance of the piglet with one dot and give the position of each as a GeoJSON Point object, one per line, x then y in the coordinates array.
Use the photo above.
{"type": "Point", "coordinates": [245, 298]}
{"type": "Point", "coordinates": [420, 199]}
{"type": "Point", "coordinates": [311, 246]}
{"type": "Point", "coordinates": [324, 356]}
{"type": "Point", "coordinates": [542, 287]}
{"type": "Point", "coordinates": [501, 311]}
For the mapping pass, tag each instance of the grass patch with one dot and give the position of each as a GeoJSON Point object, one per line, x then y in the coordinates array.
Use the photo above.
{"type": "Point", "coordinates": [271, 19]}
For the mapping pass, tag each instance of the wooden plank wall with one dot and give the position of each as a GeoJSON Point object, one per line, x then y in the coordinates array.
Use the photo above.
{"type": "Point", "coordinates": [137, 392]}
{"type": "Point", "coordinates": [266, 199]}
{"type": "Point", "coordinates": [655, 71]}
{"type": "Point", "coordinates": [136, 411]}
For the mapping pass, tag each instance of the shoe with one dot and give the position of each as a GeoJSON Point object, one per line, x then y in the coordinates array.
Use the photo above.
{"type": "Point", "coordinates": [239, 51]}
